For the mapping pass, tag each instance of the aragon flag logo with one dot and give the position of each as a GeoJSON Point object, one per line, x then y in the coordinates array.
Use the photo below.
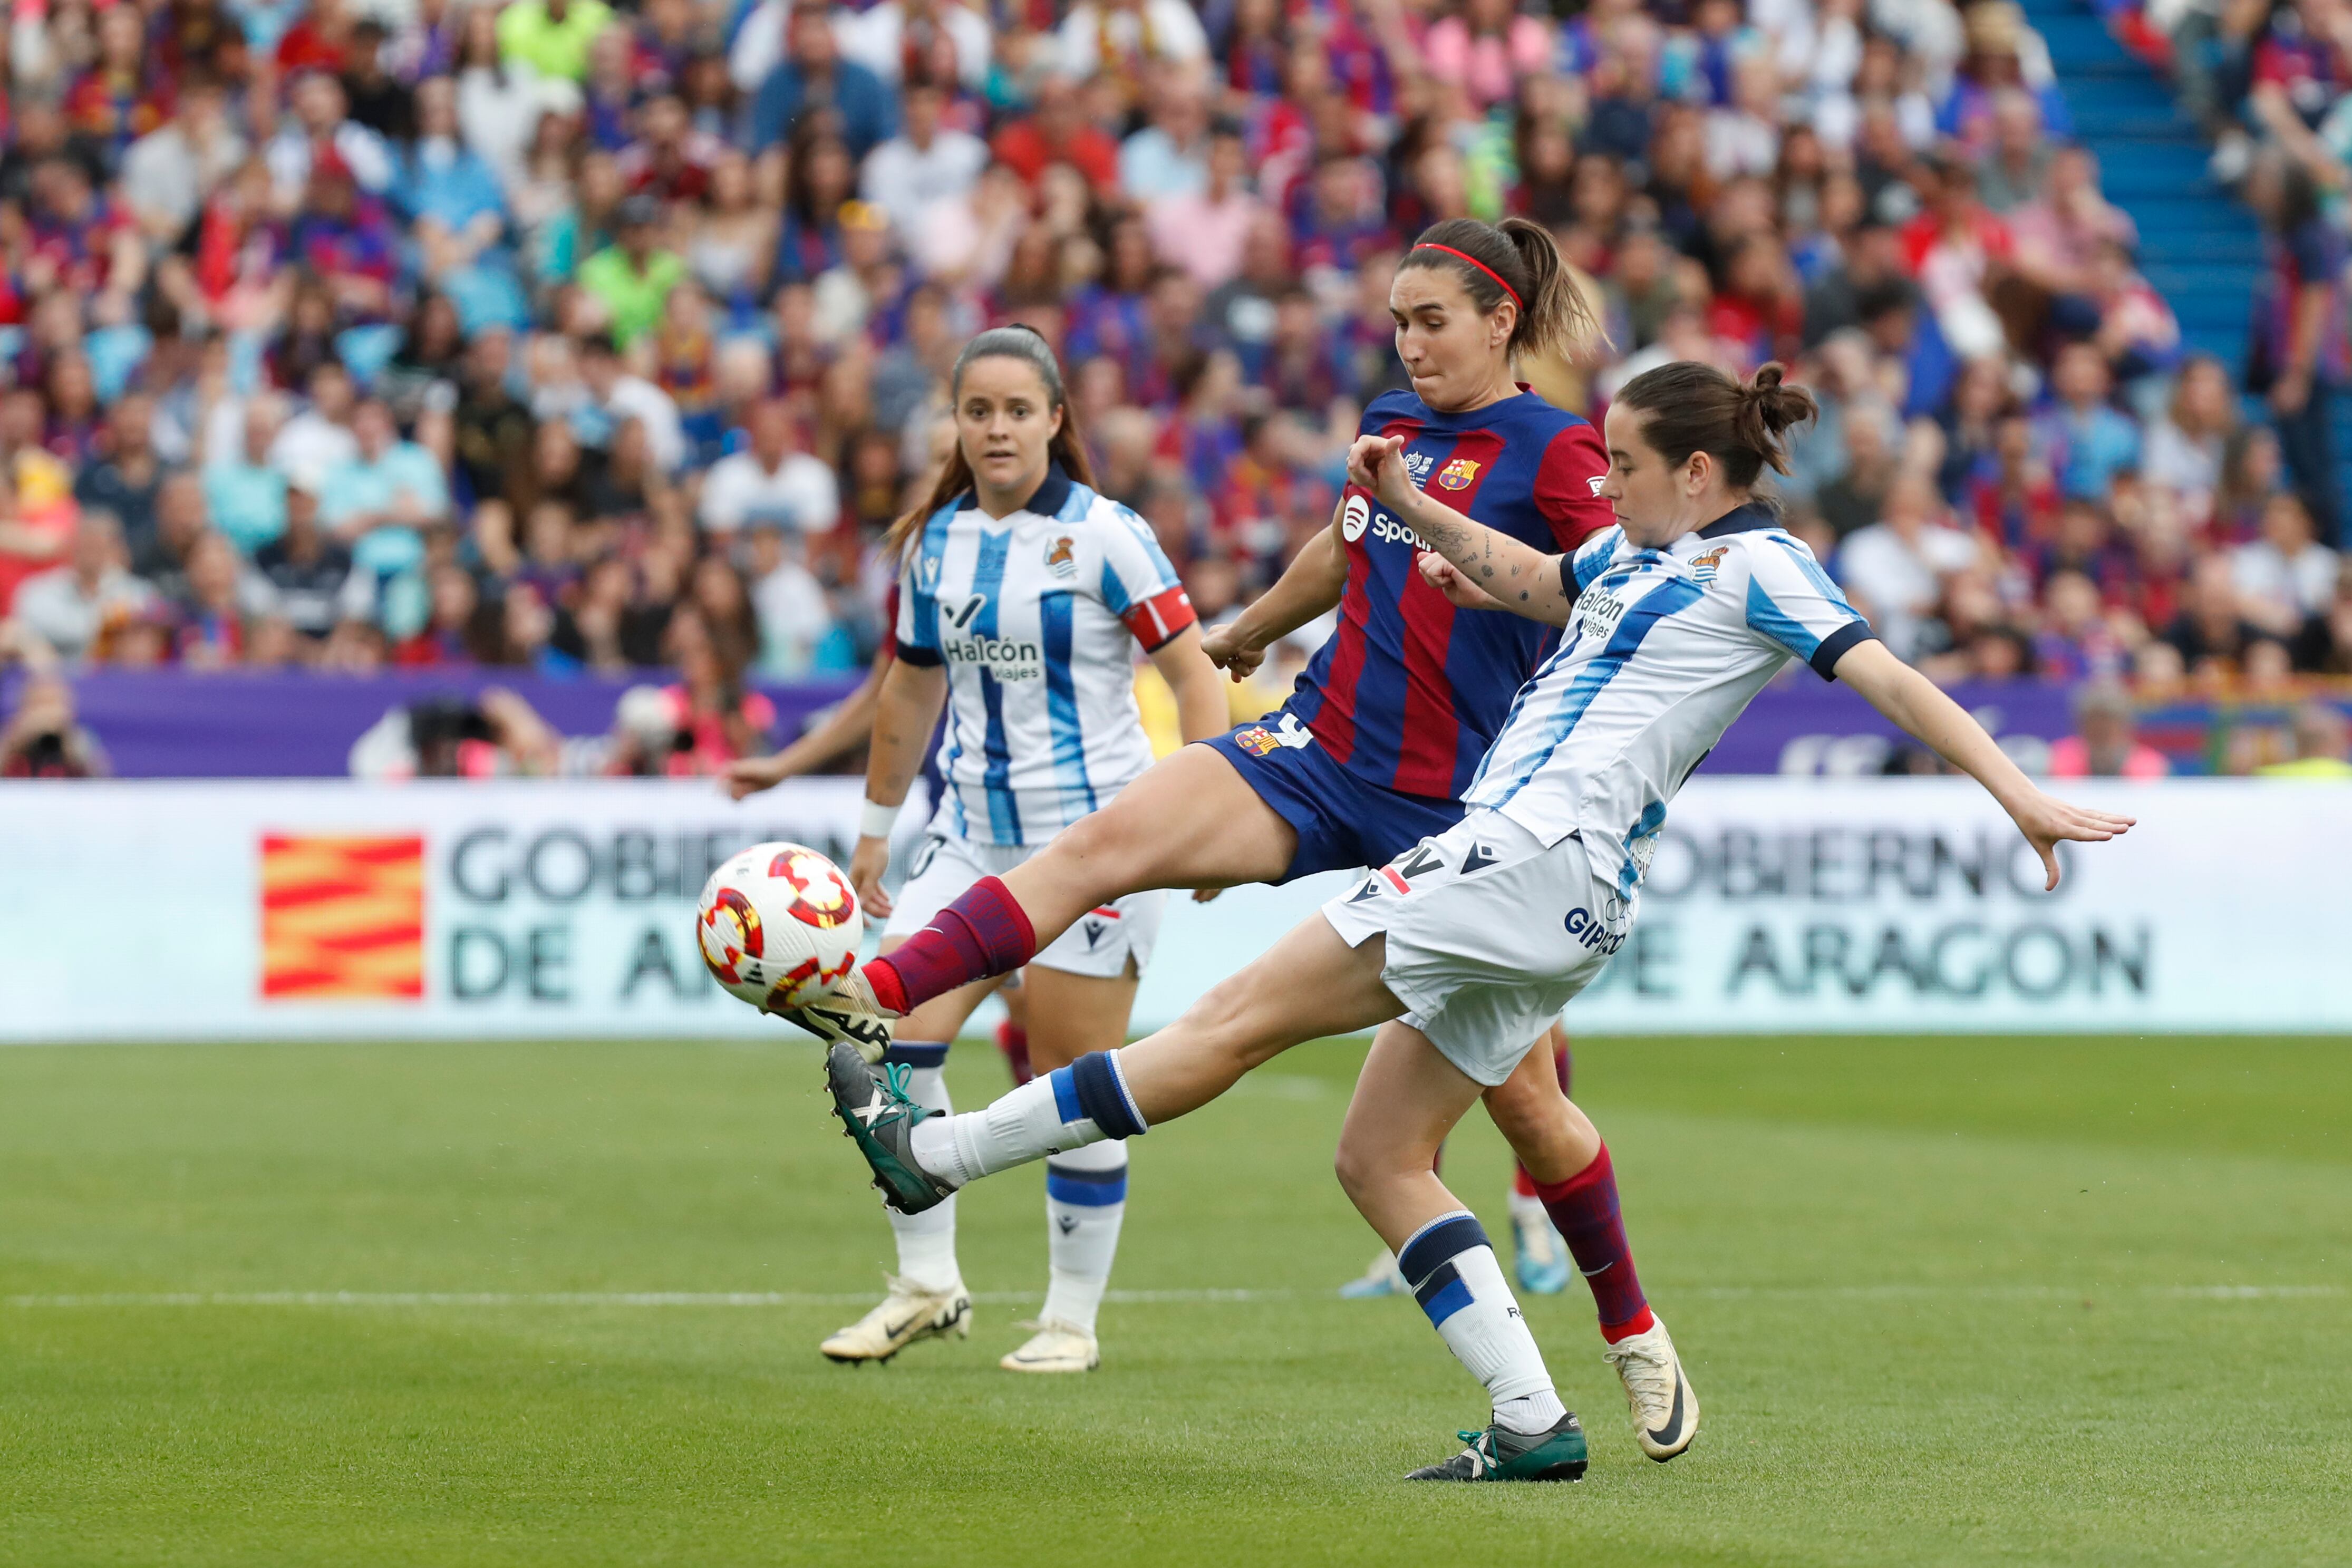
{"type": "Point", "coordinates": [342, 917]}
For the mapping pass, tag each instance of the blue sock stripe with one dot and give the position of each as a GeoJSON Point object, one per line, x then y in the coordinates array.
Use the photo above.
{"type": "Point", "coordinates": [1100, 1096]}
{"type": "Point", "coordinates": [1086, 1189]}
{"type": "Point", "coordinates": [1443, 1294]}
{"type": "Point", "coordinates": [917, 1053]}
{"type": "Point", "coordinates": [1099, 1178]}
{"type": "Point", "coordinates": [1438, 1240]}
{"type": "Point", "coordinates": [1065, 1094]}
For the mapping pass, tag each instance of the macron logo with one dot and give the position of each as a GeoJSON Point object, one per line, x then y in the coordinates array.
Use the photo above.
{"type": "Point", "coordinates": [1596, 481]}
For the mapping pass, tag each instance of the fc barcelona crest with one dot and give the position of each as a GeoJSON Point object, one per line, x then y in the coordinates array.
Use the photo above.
{"type": "Point", "coordinates": [1458, 474]}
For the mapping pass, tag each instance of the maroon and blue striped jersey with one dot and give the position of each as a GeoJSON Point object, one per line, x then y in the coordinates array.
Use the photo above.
{"type": "Point", "coordinates": [1410, 691]}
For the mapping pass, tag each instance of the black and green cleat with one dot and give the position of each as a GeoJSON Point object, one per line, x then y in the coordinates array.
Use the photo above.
{"type": "Point", "coordinates": [876, 1115]}
{"type": "Point", "coordinates": [1499, 1454]}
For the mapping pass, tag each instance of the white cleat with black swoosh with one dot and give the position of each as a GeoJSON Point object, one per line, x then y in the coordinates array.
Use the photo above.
{"type": "Point", "coordinates": [908, 1314]}
{"type": "Point", "coordinates": [1665, 1411]}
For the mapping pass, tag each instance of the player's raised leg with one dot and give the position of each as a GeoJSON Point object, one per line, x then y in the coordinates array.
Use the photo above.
{"type": "Point", "coordinates": [1307, 985]}
{"type": "Point", "coordinates": [1408, 1098]}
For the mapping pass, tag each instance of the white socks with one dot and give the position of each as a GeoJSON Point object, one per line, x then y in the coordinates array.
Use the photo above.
{"type": "Point", "coordinates": [1085, 1199]}
{"type": "Point", "coordinates": [927, 1254]}
{"type": "Point", "coordinates": [1067, 1109]}
{"type": "Point", "coordinates": [1459, 1283]}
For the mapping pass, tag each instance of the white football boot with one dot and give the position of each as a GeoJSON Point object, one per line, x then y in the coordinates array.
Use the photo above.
{"type": "Point", "coordinates": [909, 1313]}
{"type": "Point", "coordinates": [848, 1015]}
{"type": "Point", "coordinates": [1665, 1411]}
{"type": "Point", "coordinates": [1056, 1346]}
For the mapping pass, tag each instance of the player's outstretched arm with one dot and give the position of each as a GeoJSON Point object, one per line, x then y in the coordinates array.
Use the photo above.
{"type": "Point", "coordinates": [843, 730]}
{"type": "Point", "coordinates": [906, 712]}
{"type": "Point", "coordinates": [1913, 701]}
{"type": "Point", "coordinates": [1311, 584]}
{"type": "Point", "coordinates": [1515, 576]}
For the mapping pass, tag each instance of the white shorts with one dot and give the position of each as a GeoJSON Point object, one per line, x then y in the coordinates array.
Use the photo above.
{"type": "Point", "coordinates": [1490, 935]}
{"type": "Point", "coordinates": [1101, 943]}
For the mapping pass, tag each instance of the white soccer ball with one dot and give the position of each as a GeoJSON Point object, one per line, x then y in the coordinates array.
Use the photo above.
{"type": "Point", "coordinates": [779, 925]}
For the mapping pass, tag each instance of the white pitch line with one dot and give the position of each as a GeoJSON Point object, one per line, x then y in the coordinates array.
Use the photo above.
{"type": "Point", "coordinates": [839, 1298]}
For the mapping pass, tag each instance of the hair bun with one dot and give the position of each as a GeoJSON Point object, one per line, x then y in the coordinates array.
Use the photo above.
{"type": "Point", "coordinates": [1778, 406]}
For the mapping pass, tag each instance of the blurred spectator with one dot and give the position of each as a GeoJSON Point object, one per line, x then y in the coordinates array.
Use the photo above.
{"type": "Point", "coordinates": [813, 74]}
{"type": "Point", "coordinates": [551, 36]}
{"type": "Point", "coordinates": [926, 162]}
{"type": "Point", "coordinates": [2107, 743]}
{"type": "Point", "coordinates": [768, 482]}
{"type": "Point", "coordinates": [1897, 567]}
{"type": "Point", "coordinates": [74, 605]}
{"type": "Point", "coordinates": [632, 278]}
{"type": "Point", "coordinates": [2284, 575]}
{"type": "Point", "coordinates": [2299, 355]}
{"type": "Point", "coordinates": [304, 576]}
{"type": "Point", "coordinates": [2323, 746]}
{"type": "Point", "coordinates": [244, 492]}
{"type": "Point", "coordinates": [43, 740]}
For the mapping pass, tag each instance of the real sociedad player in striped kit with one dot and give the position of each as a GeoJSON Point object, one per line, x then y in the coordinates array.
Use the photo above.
{"type": "Point", "coordinates": [1675, 619]}
{"type": "Point", "coordinates": [1385, 732]}
{"type": "Point", "coordinates": [1024, 595]}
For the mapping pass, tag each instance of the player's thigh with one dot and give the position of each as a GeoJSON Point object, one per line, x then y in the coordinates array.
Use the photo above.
{"type": "Point", "coordinates": [1071, 1015]}
{"type": "Point", "coordinates": [1189, 821]}
{"type": "Point", "coordinates": [1309, 983]}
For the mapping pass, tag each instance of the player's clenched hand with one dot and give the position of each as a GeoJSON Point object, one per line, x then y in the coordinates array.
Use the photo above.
{"type": "Point", "coordinates": [2047, 821]}
{"type": "Point", "coordinates": [750, 775]}
{"type": "Point", "coordinates": [1377, 463]}
{"type": "Point", "coordinates": [1231, 652]}
{"type": "Point", "coordinates": [866, 864]}
{"type": "Point", "coordinates": [1447, 579]}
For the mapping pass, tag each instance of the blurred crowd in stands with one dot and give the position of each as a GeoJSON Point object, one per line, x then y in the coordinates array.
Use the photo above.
{"type": "Point", "coordinates": [560, 336]}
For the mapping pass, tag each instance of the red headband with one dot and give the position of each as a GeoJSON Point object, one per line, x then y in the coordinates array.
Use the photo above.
{"type": "Point", "coordinates": [1481, 266]}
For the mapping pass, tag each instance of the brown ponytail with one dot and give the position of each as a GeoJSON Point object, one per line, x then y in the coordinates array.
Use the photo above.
{"type": "Point", "coordinates": [1694, 407]}
{"type": "Point", "coordinates": [1029, 346]}
{"type": "Point", "coordinates": [1517, 260]}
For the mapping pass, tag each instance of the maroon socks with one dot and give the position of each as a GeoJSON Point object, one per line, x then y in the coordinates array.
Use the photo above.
{"type": "Point", "coordinates": [1584, 1210]}
{"type": "Point", "coordinates": [985, 932]}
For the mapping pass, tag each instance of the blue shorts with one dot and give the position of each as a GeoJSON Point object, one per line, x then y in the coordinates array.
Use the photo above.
{"type": "Point", "coordinates": [1342, 821]}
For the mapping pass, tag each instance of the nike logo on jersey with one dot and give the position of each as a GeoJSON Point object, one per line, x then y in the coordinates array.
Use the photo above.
{"type": "Point", "coordinates": [1479, 858]}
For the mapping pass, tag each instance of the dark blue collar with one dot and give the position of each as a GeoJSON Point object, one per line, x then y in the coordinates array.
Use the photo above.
{"type": "Point", "coordinates": [1741, 519]}
{"type": "Point", "coordinates": [1052, 494]}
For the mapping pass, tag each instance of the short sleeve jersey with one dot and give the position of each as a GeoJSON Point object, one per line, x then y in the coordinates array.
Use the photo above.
{"type": "Point", "coordinates": [1035, 617]}
{"type": "Point", "coordinates": [1662, 650]}
{"type": "Point", "coordinates": [1410, 691]}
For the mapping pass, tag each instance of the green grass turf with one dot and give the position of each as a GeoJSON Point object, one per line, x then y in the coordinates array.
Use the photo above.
{"type": "Point", "coordinates": [1945, 1302]}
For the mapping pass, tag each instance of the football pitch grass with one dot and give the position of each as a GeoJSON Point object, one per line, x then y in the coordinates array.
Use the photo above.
{"type": "Point", "coordinates": [1944, 1302]}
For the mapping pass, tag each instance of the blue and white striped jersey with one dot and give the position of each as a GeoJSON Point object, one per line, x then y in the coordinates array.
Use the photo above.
{"type": "Point", "coordinates": [1036, 615]}
{"type": "Point", "coordinates": [1663, 649]}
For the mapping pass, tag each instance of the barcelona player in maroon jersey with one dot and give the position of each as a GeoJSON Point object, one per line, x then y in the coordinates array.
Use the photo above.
{"type": "Point", "coordinates": [1388, 723]}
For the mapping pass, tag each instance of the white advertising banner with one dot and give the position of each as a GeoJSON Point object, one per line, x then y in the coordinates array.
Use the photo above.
{"type": "Point", "coordinates": [163, 910]}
